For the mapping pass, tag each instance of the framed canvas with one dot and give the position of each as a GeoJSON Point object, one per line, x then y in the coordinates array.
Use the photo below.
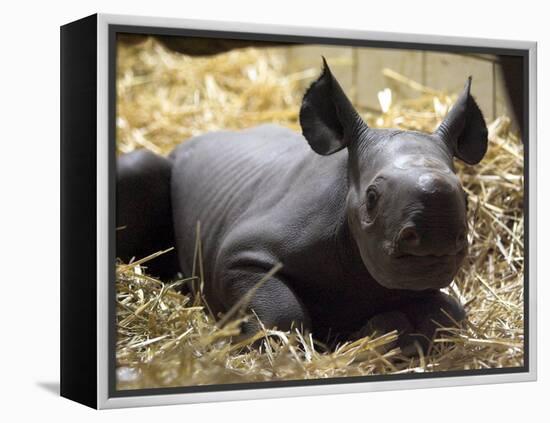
{"type": "Point", "coordinates": [253, 211]}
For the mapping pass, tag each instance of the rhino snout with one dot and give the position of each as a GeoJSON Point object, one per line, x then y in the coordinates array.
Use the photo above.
{"type": "Point", "coordinates": [421, 242]}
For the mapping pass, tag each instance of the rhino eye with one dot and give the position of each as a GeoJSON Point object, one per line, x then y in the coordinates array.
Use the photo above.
{"type": "Point", "coordinates": [372, 198]}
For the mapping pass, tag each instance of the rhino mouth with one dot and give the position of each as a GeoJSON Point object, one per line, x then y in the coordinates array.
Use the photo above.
{"type": "Point", "coordinates": [431, 258]}
{"type": "Point", "coordinates": [431, 262]}
{"type": "Point", "coordinates": [417, 272]}
{"type": "Point", "coordinates": [428, 271]}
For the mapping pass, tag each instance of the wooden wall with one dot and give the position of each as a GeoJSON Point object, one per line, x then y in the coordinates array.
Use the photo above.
{"type": "Point", "coordinates": [359, 71]}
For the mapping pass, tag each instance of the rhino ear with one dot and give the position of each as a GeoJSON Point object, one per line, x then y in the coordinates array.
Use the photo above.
{"type": "Point", "coordinates": [327, 116]}
{"type": "Point", "coordinates": [464, 129]}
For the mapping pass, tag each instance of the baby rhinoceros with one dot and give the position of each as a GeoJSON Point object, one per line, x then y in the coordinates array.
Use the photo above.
{"type": "Point", "coordinates": [368, 224]}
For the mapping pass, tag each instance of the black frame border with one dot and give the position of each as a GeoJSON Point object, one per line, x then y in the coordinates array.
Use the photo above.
{"type": "Point", "coordinates": [114, 29]}
{"type": "Point", "coordinates": [78, 211]}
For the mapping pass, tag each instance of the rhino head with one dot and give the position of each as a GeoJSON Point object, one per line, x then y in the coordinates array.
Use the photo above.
{"type": "Point", "coordinates": [405, 206]}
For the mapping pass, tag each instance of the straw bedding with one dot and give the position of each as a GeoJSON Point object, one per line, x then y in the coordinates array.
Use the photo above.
{"type": "Point", "coordinates": [166, 338]}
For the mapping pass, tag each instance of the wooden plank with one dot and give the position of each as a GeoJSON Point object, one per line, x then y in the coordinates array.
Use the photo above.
{"type": "Point", "coordinates": [308, 59]}
{"type": "Point", "coordinates": [448, 72]}
{"type": "Point", "coordinates": [370, 80]}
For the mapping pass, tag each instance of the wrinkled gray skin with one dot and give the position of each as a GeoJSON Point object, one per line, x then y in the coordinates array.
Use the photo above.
{"type": "Point", "coordinates": [368, 223]}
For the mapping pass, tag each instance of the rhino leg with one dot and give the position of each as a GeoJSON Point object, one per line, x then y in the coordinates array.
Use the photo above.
{"type": "Point", "coordinates": [274, 302]}
{"type": "Point", "coordinates": [387, 322]}
{"type": "Point", "coordinates": [417, 322]}
{"type": "Point", "coordinates": [144, 212]}
{"type": "Point", "coordinates": [430, 314]}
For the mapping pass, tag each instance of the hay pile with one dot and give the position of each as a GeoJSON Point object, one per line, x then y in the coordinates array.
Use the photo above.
{"type": "Point", "coordinates": [166, 338]}
{"type": "Point", "coordinates": [165, 97]}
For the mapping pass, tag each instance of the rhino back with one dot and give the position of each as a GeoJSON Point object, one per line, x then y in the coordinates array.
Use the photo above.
{"type": "Point", "coordinates": [228, 179]}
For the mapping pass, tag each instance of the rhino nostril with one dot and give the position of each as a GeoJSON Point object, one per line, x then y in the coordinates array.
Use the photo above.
{"type": "Point", "coordinates": [408, 237]}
